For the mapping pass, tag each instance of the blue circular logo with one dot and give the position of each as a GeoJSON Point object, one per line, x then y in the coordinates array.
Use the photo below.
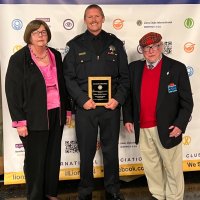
{"type": "Point", "coordinates": [190, 71]}
{"type": "Point", "coordinates": [17, 24]}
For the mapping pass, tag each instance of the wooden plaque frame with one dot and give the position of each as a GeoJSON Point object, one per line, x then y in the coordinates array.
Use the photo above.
{"type": "Point", "coordinates": [99, 89]}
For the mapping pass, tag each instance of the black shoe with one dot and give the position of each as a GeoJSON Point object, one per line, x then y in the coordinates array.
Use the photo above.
{"type": "Point", "coordinates": [88, 197]}
{"type": "Point", "coordinates": [114, 196]}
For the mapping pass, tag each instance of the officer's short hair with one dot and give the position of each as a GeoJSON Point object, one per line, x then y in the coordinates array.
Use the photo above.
{"type": "Point", "coordinates": [94, 6]}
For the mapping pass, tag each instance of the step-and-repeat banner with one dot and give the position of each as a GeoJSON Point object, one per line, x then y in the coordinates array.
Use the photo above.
{"type": "Point", "coordinates": [177, 21]}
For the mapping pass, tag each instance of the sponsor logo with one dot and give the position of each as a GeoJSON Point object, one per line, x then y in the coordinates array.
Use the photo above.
{"type": "Point", "coordinates": [71, 146]}
{"type": "Point", "coordinates": [189, 47]}
{"type": "Point", "coordinates": [139, 22]}
{"type": "Point", "coordinates": [66, 49]}
{"type": "Point", "coordinates": [45, 19]}
{"type": "Point", "coordinates": [68, 24]}
{"type": "Point", "coordinates": [139, 50]}
{"type": "Point", "coordinates": [190, 70]}
{"type": "Point", "coordinates": [189, 23]}
{"type": "Point", "coordinates": [130, 160]}
{"type": "Point", "coordinates": [17, 48]}
{"type": "Point", "coordinates": [19, 149]}
{"type": "Point", "coordinates": [17, 24]}
{"type": "Point", "coordinates": [118, 24]}
{"type": "Point", "coordinates": [186, 140]}
{"type": "Point", "coordinates": [18, 146]}
{"type": "Point", "coordinates": [193, 155]}
{"type": "Point", "coordinates": [167, 47]}
{"type": "Point", "coordinates": [63, 52]}
{"type": "Point", "coordinates": [156, 24]}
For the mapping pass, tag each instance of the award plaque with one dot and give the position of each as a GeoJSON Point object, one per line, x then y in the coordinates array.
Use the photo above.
{"type": "Point", "coordinates": [99, 89]}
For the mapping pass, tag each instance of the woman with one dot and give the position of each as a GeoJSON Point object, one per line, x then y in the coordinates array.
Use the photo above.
{"type": "Point", "coordinates": [38, 102]}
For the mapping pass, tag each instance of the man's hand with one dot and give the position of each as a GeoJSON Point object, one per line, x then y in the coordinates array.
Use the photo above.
{"type": "Point", "coordinates": [129, 127]}
{"type": "Point", "coordinates": [90, 104]}
{"type": "Point", "coordinates": [112, 104]}
{"type": "Point", "coordinates": [175, 131]}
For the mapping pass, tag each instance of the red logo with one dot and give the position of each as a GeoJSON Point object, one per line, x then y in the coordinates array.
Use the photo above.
{"type": "Point", "coordinates": [118, 24]}
{"type": "Point", "coordinates": [189, 47]}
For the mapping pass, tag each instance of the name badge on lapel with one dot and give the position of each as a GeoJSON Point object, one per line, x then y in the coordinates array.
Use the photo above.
{"type": "Point", "coordinates": [172, 88]}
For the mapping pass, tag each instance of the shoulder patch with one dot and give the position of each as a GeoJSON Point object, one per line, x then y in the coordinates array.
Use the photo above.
{"type": "Point", "coordinates": [74, 39]}
{"type": "Point", "coordinates": [66, 49]}
{"type": "Point", "coordinates": [116, 38]}
{"type": "Point", "coordinates": [77, 37]}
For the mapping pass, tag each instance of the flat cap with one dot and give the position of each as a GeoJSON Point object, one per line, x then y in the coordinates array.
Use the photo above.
{"type": "Point", "coordinates": [150, 38]}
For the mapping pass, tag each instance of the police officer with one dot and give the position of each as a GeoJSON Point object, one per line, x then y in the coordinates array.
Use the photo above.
{"type": "Point", "coordinates": [97, 53]}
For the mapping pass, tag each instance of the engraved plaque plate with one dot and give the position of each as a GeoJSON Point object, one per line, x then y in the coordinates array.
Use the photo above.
{"type": "Point", "coordinates": [99, 89]}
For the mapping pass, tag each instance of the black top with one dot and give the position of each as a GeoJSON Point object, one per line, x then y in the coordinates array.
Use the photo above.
{"type": "Point", "coordinates": [97, 41]}
{"type": "Point", "coordinates": [26, 90]}
{"type": "Point", "coordinates": [101, 55]}
{"type": "Point", "coordinates": [172, 108]}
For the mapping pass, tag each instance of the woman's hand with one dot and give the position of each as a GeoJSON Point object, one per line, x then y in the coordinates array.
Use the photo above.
{"type": "Point", "coordinates": [22, 131]}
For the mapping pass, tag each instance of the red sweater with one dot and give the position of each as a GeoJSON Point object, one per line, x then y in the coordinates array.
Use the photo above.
{"type": "Point", "coordinates": [149, 94]}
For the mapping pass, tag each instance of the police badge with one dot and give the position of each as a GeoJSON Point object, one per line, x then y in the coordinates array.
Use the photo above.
{"type": "Point", "coordinates": [112, 50]}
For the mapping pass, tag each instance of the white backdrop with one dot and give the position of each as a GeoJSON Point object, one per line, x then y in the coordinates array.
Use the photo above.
{"type": "Point", "coordinates": [180, 31]}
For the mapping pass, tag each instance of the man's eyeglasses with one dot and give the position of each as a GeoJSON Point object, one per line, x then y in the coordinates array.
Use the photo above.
{"type": "Point", "coordinates": [38, 33]}
{"type": "Point", "coordinates": [153, 47]}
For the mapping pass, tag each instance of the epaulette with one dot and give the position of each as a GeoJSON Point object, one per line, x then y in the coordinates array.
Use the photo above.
{"type": "Point", "coordinates": [114, 37]}
{"type": "Point", "coordinates": [74, 39]}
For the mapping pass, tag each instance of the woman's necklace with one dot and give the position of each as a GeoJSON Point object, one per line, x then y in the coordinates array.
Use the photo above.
{"type": "Point", "coordinates": [39, 57]}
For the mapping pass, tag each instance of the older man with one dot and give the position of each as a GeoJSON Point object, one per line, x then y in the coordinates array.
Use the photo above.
{"type": "Point", "coordinates": [158, 109]}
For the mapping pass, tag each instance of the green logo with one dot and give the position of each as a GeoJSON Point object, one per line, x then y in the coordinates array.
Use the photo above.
{"type": "Point", "coordinates": [189, 23]}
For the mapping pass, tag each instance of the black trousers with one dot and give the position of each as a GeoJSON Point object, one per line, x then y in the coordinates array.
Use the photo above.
{"type": "Point", "coordinates": [87, 124]}
{"type": "Point", "coordinates": [42, 159]}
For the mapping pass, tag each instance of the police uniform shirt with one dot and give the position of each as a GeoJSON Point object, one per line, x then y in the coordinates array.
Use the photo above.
{"type": "Point", "coordinates": [96, 41]}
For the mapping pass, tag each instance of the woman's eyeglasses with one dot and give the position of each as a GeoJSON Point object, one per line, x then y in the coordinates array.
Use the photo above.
{"type": "Point", "coordinates": [38, 33]}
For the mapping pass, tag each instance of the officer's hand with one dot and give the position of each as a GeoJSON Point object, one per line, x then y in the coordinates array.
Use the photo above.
{"type": "Point", "coordinates": [129, 127]}
{"type": "Point", "coordinates": [90, 104]}
{"type": "Point", "coordinates": [112, 104]}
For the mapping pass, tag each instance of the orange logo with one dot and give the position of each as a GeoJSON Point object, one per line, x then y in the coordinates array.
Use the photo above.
{"type": "Point", "coordinates": [17, 48]}
{"type": "Point", "coordinates": [118, 24]}
{"type": "Point", "coordinates": [189, 47]}
{"type": "Point", "coordinates": [72, 124]}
